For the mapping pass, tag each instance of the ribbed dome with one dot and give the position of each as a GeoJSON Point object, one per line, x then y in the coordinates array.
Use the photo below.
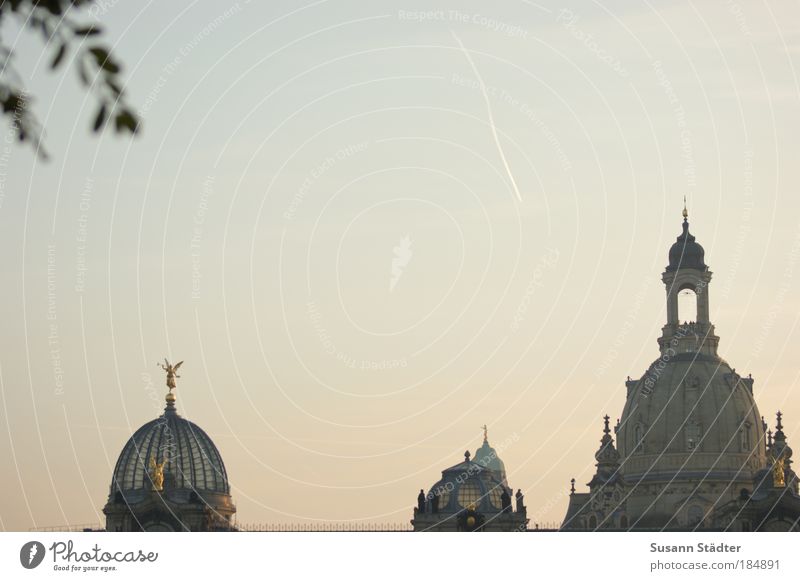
{"type": "Point", "coordinates": [689, 417]}
{"type": "Point", "coordinates": [686, 253]}
{"type": "Point", "coordinates": [194, 463]}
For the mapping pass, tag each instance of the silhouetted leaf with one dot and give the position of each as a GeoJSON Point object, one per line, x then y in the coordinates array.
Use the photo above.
{"type": "Point", "coordinates": [126, 121]}
{"type": "Point", "coordinates": [87, 31]}
{"type": "Point", "coordinates": [103, 60]}
{"type": "Point", "coordinates": [62, 50]}
{"type": "Point", "coordinates": [101, 117]}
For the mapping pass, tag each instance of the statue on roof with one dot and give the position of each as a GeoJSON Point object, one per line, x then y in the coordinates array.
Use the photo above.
{"type": "Point", "coordinates": [172, 373]}
{"type": "Point", "coordinates": [157, 473]}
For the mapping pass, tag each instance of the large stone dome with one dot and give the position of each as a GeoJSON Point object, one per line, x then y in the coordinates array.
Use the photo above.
{"type": "Point", "coordinates": [690, 416]}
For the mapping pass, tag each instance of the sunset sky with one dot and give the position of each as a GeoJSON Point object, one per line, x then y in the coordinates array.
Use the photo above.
{"type": "Point", "coordinates": [370, 228]}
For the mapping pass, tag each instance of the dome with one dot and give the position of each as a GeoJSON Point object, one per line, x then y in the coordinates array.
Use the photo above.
{"type": "Point", "coordinates": [193, 461]}
{"type": "Point", "coordinates": [686, 253]}
{"type": "Point", "coordinates": [487, 457]}
{"type": "Point", "coordinates": [466, 485]}
{"type": "Point", "coordinates": [691, 416]}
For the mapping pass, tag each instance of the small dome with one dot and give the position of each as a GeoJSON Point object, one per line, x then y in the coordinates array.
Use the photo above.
{"type": "Point", "coordinates": [686, 253]}
{"type": "Point", "coordinates": [487, 457]}
{"type": "Point", "coordinates": [194, 463]}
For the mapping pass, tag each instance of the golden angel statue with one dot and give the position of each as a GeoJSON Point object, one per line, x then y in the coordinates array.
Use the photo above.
{"type": "Point", "coordinates": [157, 473]}
{"type": "Point", "coordinates": [172, 373]}
{"type": "Point", "coordinates": [778, 478]}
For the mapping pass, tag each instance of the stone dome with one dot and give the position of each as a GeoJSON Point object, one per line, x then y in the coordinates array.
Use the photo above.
{"type": "Point", "coordinates": [686, 253]}
{"type": "Point", "coordinates": [194, 463]}
{"type": "Point", "coordinates": [691, 416]}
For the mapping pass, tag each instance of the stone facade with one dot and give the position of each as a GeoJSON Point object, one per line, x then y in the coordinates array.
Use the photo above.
{"type": "Point", "coordinates": [693, 451]}
{"type": "Point", "coordinates": [472, 496]}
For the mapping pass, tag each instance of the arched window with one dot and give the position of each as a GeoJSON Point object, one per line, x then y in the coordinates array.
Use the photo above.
{"type": "Point", "coordinates": [623, 522]}
{"type": "Point", "coordinates": [469, 494]}
{"type": "Point", "coordinates": [592, 522]}
{"type": "Point", "coordinates": [687, 306]}
{"type": "Point", "coordinates": [744, 438]}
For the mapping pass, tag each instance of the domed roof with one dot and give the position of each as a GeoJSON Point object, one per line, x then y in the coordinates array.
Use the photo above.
{"type": "Point", "coordinates": [193, 461]}
{"type": "Point", "coordinates": [487, 457]}
{"type": "Point", "coordinates": [691, 415]}
{"type": "Point", "coordinates": [468, 484]}
{"type": "Point", "coordinates": [686, 253]}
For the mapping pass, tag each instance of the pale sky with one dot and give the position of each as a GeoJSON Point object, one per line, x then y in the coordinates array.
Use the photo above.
{"type": "Point", "coordinates": [368, 231]}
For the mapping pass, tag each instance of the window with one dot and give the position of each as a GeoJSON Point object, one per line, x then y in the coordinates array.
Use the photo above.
{"type": "Point", "coordinates": [692, 434]}
{"type": "Point", "coordinates": [469, 494]}
{"type": "Point", "coordinates": [443, 496]}
{"type": "Point", "coordinates": [744, 438]}
{"type": "Point", "coordinates": [687, 306]}
{"type": "Point", "coordinates": [495, 495]}
{"type": "Point", "coordinates": [592, 522]}
{"type": "Point", "coordinates": [623, 522]}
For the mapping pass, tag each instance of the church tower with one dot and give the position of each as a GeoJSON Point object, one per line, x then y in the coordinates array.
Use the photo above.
{"type": "Point", "coordinates": [690, 437]}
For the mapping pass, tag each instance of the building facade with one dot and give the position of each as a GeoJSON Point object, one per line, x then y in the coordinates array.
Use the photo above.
{"type": "Point", "coordinates": [472, 496]}
{"type": "Point", "coordinates": [692, 450]}
{"type": "Point", "coordinates": [169, 477]}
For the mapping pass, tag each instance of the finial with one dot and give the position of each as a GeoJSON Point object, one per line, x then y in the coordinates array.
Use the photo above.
{"type": "Point", "coordinates": [572, 486]}
{"type": "Point", "coordinates": [466, 456]}
{"type": "Point", "coordinates": [685, 211]}
{"type": "Point", "coordinates": [171, 375]}
{"type": "Point", "coordinates": [769, 438]}
{"type": "Point", "coordinates": [485, 433]}
{"type": "Point", "coordinates": [779, 425]}
{"type": "Point", "coordinates": [606, 429]}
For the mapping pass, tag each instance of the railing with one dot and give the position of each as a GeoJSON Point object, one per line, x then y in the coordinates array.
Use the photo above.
{"type": "Point", "coordinates": [316, 527]}
{"type": "Point", "coordinates": [68, 528]}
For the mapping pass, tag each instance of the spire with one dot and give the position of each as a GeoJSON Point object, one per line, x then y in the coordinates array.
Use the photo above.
{"type": "Point", "coordinates": [685, 211]}
{"type": "Point", "coordinates": [485, 433]}
{"type": "Point", "coordinates": [607, 458]}
{"type": "Point", "coordinates": [779, 437]}
{"type": "Point", "coordinates": [769, 439]}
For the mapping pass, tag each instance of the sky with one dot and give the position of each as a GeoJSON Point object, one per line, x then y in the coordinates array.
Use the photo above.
{"type": "Point", "coordinates": [371, 228]}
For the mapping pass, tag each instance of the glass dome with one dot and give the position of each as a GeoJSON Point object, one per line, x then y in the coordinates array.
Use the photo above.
{"type": "Point", "coordinates": [193, 461]}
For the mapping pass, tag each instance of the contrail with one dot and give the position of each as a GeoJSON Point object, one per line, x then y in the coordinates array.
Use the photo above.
{"type": "Point", "coordinates": [489, 112]}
